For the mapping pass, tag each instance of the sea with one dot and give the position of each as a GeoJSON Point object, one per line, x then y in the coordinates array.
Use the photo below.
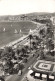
{"type": "Point", "coordinates": [7, 30]}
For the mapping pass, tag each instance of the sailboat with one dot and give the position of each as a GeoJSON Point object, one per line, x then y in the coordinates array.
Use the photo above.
{"type": "Point", "coordinates": [30, 31]}
{"type": "Point", "coordinates": [4, 29]}
{"type": "Point", "coordinates": [15, 31]}
{"type": "Point", "coordinates": [20, 30]}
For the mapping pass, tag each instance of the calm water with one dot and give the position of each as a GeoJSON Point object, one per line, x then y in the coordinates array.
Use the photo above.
{"type": "Point", "coordinates": [8, 36]}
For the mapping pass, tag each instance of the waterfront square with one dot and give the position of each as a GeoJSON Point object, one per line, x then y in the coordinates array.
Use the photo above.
{"type": "Point", "coordinates": [44, 66]}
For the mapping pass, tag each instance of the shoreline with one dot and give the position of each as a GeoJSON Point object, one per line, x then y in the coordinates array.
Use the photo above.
{"type": "Point", "coordinates": [22, 38]}
{"type": "Point", "coordinates": [18, 21]}
{"type": "Point", "coordinates": [15, 41]}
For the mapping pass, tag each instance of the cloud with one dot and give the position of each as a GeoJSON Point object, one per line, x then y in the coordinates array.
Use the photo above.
{"type": "Point", "coordinates": [13, 7]}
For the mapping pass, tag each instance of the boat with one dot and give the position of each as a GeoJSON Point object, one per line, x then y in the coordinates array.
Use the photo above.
{"type": "Point", "coordinates": [20, 30]}
{"type": "Point", "coordinates": [30, 31]}
{"type": "Point", "coordinates": [4, 29]}
{"type": "Point", "coordinates": [15, 31]}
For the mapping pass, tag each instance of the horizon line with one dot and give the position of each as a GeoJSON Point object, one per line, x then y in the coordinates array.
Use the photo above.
{"type": "Point", "coordinates": [24, 13]}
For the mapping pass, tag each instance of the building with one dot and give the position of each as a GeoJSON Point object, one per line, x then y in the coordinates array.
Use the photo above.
{"type": "Point", "coordinates": [42, 71]}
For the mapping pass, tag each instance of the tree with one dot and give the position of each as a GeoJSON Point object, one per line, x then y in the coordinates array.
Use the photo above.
{"type": "Point", "coordinates": [42, 32]}
{"type": "Point", "coordinates": [18, 51]}
{"type": "Point", "coordinates": [30, 37]}
{"type": "Point", "coordinates": [23, 51]}
{"type": "Point", "coordinates": [1, 50]}
{"type": "Point", "coordinates": [36, 37]}
{"type": "Point", "coordinates": [7, 65]}
{"type": "Point", "coordinates": [50, 44]}
{"type": "Point", "coordinates": [34, 44]}
{"type": "Point", "coordinates": [7, 54]}
{"type": "Point", "coordinates": [8, 49]}
{"type": "Point", "coordinates": [50, 32]}
{"type": "Point", "coordinates": [52, 53]}
{"type": "Point", "coordinates": [10, 64]}
{"type": "Point", "coordinates": [42, 55]}
{"type": "Point", "coordinates": [4, 55]}
{"type": "Point", "coordinates": [20, 66]}
{"type": "Point", "coordinates": [26, 48]}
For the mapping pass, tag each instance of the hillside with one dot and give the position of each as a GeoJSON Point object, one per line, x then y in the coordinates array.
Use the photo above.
{"type": "Point", "coordinates": [29, 16]}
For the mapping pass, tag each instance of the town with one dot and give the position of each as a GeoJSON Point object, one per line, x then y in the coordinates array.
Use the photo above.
{"type": "Point", "coordinates": [31, 57]}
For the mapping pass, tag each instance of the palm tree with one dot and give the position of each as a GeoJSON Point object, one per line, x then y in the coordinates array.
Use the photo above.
{"type": "Point", "coordinates": [50, 44]}
{"type": "Point", "coordinates": [42, 55]}
{"type": "Point", "coordinates": [34, 44]}
{"type": "Point", "coordinates": [26, 48]}
{"type": "Point", "coordinates": [18, 51]}
{"type": "Point", "coordinates": [1, 50]}
{"type": "Point", "coordinates": [30, 37]}
{"type": "Point", "coordinates": [38, 40]}
{"type": "Point", "coordinates": [23, 51]}
{"type": "Point", "coordinates": [42, 32]}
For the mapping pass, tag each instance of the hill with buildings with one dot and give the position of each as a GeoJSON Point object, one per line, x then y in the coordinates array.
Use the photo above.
{"type": "Point", "coordinates": [29, 16]}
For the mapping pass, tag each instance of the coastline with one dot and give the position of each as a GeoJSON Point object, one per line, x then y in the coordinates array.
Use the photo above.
{"type": "Point", "coordinates": [24, 37]}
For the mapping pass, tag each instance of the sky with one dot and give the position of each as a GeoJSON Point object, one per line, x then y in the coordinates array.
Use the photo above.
{"type": "Point", "coordinates": [16, 7]}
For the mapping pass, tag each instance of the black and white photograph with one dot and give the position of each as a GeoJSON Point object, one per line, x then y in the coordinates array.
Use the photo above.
{"type": "Point", "coordinates": [27, 40]}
